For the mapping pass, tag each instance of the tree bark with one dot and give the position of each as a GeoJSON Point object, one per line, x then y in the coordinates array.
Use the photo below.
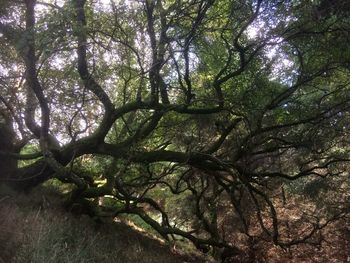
{"type": "Point", "coordinates": [8, 165]}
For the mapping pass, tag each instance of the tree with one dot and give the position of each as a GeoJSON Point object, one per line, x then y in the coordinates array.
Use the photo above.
{"type": "Point", "coordinates": [218, 103]}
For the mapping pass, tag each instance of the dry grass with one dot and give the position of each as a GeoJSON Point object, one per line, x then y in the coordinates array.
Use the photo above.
{"type": "Point", "coordinates": [34, 229]}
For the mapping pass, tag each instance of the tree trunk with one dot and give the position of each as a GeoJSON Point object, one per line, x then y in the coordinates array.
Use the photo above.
{"type": "Point", "coordinates": [8, 165]}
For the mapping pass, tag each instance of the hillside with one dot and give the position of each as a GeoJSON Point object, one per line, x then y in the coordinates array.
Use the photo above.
{"type": "Point", "coordinates": [35, 228]}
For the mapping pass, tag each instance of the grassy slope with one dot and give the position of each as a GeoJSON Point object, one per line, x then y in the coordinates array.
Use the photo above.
{"type": "Point", "coordinates": [33, 228]}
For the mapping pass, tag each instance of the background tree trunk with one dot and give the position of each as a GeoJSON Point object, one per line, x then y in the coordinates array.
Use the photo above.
{"type": "Point", "coordinates": [8, 165]}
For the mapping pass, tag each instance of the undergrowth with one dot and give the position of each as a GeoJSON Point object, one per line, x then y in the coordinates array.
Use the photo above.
{"type": "Point", "coordinates": [34, 228]}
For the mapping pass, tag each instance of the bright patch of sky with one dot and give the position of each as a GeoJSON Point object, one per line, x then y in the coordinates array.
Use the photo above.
{"type": "Point", "coordinates": [282, 65]}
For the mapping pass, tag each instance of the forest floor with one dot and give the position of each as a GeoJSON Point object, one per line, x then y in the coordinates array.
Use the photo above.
{"type": "Point", "coordinates": [35, 228]}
